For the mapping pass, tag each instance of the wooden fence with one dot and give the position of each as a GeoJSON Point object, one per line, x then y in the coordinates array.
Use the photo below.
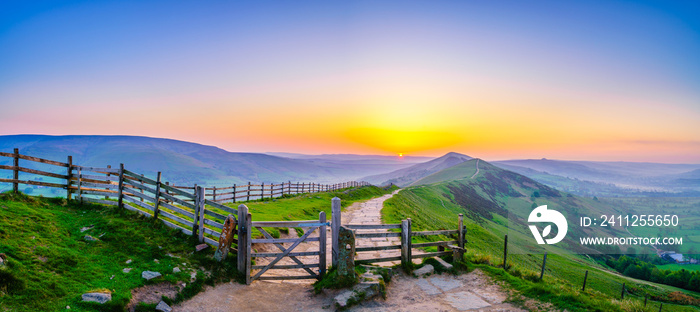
{"type": "Point", "coordinates": [192, 210]}
{"type": "Point", "coordinates": [246, 192]}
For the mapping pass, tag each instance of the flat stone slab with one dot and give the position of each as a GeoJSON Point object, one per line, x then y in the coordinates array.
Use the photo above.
{"type": "Point", "coordinates": [443, 263]}
{"type": "Point", "coordinates": [445, 284]}
{"type": "Point", "coordinates": [427, 287]}
{"type": "Point", "coordinates": [148, 275]}
{"type": "Point", "coordinates": [426, 269]}
{"type": "Point", "coordinates": [163, 307]}
{"type": "Point", "coordinates": [100, 298]}
{"type": "Point", "coordinates": [464, 301]}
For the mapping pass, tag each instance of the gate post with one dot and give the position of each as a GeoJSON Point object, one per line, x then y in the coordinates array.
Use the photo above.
{"type": "Point", "coordinates": [322, 245]}
{"type": "Point", "coordinates": [335, 229]}
{"type": "Point", "coordinates": [242, 228]}
{"type": "Point", "coordinates": [248, 240]}
{"type": "Point", "coordinates": [406, 255]}
{"type": "Point", "coordinates": [200, 206]}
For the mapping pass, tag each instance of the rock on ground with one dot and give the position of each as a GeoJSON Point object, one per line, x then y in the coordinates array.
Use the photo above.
{"type": "Point", "coordinates": [163, 307]}
{"type": "Point", "coordinates": [97, 297]}
{"type": "Point", "coordinates": [149, 275]}
{"type": "Point", "coordinates": [425, 270]}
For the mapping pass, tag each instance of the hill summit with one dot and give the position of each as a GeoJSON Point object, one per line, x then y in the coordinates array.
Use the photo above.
{"type": "Point", "coordinates": [406, 176]}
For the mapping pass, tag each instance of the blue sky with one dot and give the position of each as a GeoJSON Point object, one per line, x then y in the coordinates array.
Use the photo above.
{"type": "Point", "coordinates": [600, 79]}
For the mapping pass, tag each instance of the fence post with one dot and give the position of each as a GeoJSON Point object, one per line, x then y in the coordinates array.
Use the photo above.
{"type": "Point", "coordinates": [214, 193]}
{"type": "Point", "coordinates": [505, 252]}
{"type": "Point", "coordinates": [234, 193]}
{"type": "Point", "coordinates": [646, 297]}
{"type": "Point", "coordinates": [196, 212]}
{"type": "Point", "coordinates": [585, 277]}
{"type": "Point", "coordinates": [406, 243]}
{"type": "Point", "coordinates": [335, 230]}
{"type": "Point", "coordinates": [108, 175]}
{"type": "Point", "coordinates": [248, 240]}
{"type": "Point", "coordinates": [157, 203]}
{"type": "Point", "coordinates": [70, 178]}
{"type": "Point", "coordinates": [461, 231]}
{"type": "Point", "coordinates": [140, 189]}
{"type": "Point", "coordinates": [544, 263]}
{"type": "Point", "coordinates": [322, 245]}
{"type": "Point", "coordinates": [15, 171]}
{"type": "Point", "coordinates": [248, 196]}
{"type": "Point", "coordinates": [120, 191]}
{"type": "Point", "coordinates": [622, 293]}
{"type": "Point", "coordinates": [262, 190]}
{"type": "Point", "coordinates": [201, 208]}
{"type": "Point", "coordinates": [80, 185]}
{"type": "Point", "coordinates": [242, 228]}
{"type": "Point", "coordinates": [168, 192]}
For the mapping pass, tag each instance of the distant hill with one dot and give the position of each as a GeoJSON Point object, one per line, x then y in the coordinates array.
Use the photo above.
{"type": "Point", "coordinates": [406, 176]}
{"type": "Point", "coordinates": [185, 162]}
{"type": "Point", "coordinates": [610, 178]}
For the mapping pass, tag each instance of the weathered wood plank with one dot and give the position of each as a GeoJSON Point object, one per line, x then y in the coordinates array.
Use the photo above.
{"type": "Point", "coordinates": [34, 183]}
{"type": "Point", "coordinates": [99, 185]}
{"type": "Point", "coordinates": [103, 178]}
{"type": "Point", "coordinates": [432, 254]}
{"type": "Point", "coordinates": [218, 216]}
{"type": "Point", "coordinates": [372, 235]}
{"type": "Point", "coordinates": [175, 218]}
{"type": "Point", "coordinates": [41, 160]}
{"type": "Point", "coordinates": [34, 171]}
{"type": "Point", "coordinates": [430, 244]}
{"type": "Point", "coordinates": [129, 207]}
{"type": "Point", "coordinates": [138, 203]}
{"type": "Point", "coordinates": [303, 223]}
{"type": "Point", "coordinates": [442, 232]}
{"type": "Point", "coordinates": [134, 176]}
{"type": "Point", "coordinates": [139, 186]}
{"type": "Point", "coordinates": [372, 226]}
{"type": "Point", "coordinates": [375, 248]}
{"type": "Point", "coordinates": [138, 194]}
{"type": "Point", "coordinates": [95, 192]}
{"type": "Point", "coordinates": [220, 206]}
{"type": "Point", "coordinates": [291, 254]}
{"type": "Point", "coordinates": [176, 200]}
{"type": "Point", "coordinates": [293, 277]}
{"type": "Point", "coordinates": [375, 260]}
{"type": "Point", "coordinates": [99, 201]}
{"type": "Point", "coordinates": [177, 209]}
{"type": "Point", "coordinates": [213, 224]}
{"type": "Point", "coordinates": [287, 266]}
{"type": "Point", "coordinates": [282, 240]}
{"type": "Point", "coordinates": [98, 170]}
{"type": "Point", "coordinates": [177, 191]}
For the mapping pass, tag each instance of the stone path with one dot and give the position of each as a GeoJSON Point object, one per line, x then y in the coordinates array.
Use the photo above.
{"type": "Point", "coordinates": [468, 292]}
{"type": "Point", "coordinates": [369, 212]}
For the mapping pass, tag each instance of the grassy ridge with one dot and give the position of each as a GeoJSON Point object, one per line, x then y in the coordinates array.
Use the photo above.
{"type": "Point", "coordinates": [434, 207]}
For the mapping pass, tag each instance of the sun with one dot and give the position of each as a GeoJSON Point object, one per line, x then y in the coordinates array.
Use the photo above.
{"type": "Point", "coordinates": [400, 155]}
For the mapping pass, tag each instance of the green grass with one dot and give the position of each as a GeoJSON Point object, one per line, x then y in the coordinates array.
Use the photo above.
{"type": "Point", "coordinates": [50, 264]}
{"type": "Point", "coordinates": [435, 207]}
{"type": "Point", "coordinates": [678, 267]}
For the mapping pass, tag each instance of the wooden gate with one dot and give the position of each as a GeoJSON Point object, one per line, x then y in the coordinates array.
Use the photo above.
{"type": "Point", "coordinates": [304, 260]}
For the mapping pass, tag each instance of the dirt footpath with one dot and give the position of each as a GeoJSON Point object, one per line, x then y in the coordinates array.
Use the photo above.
{"type": "Point", "coordinates": [468, 292]}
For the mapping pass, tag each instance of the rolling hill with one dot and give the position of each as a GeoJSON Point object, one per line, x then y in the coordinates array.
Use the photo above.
{"type": "Point", "coordinates": [189, 163]}
{"type": "Point", "coordinates": [406, 176]}
{"type": "Point", "coordinates": [497, 202]}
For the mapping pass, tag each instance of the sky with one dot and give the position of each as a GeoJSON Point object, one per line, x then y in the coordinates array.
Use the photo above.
{"type": "Point", "coordinates": [578, 80]}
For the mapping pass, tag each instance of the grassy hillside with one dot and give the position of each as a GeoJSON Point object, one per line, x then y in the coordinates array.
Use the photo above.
{"type": "Point", "coordinates": [495, 199]}
{"type": "Point", "coordinates": [50, 264]}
